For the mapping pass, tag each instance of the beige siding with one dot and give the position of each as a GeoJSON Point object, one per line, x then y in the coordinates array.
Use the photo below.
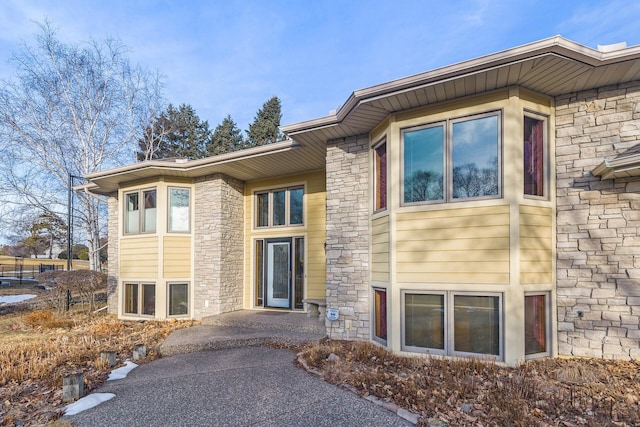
{"type": "Point", "coordinates": [469, 245]}
{"type": "Point", "coordinates": [313, 230]}
{"type": "Point", "coordinates": [177, 257]}
{"type": "Point", "coordinates": [535, 245]}
{"type": "Point", "coordinates": [380, 249]}
{"type": "Point", "coordinates": [139, 258]}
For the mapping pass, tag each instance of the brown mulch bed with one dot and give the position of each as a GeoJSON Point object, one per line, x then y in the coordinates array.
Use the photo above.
{"type": "Point", "coordinates": [472, 392]}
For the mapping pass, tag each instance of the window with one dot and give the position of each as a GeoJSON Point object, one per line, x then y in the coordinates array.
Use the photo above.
{"type": "Point", "coordinates": [534, 169]}
{"type": "Point", "coordinates": [451, 323]}
{"type": "Point", "coordinates": [380, 176]}
{"type": "Point", "coordinates": [452, 160]}
{"type": "Point", "coordinates": [280, 208]}
{"type": "Point", "coordinates": [178, 299]}
{"type": "Point", "coordinates": [179, 217]}
{"type": "Point", "coordinates": [535, 324]}
{"type": "Point", "coordinates": [140, 217]}
{"type": "Point", "coordinates": [380, 314]}
{"type": "Point", "coordinates": [140, 299]}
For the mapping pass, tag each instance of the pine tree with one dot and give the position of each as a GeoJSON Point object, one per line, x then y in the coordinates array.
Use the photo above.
{"type": "Point", "coordinates": [265, 128]}
{"type": "Point", "coordinates": [227, 137]}
{"type": "Point", "coordinates": [177, 132]}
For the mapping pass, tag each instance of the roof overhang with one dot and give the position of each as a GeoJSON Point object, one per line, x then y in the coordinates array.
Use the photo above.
{"type": "Point", "coordinates": [277, 159]}
{"type": "Point", "coordinates": [620, 167]}
{"type": "Point", "coordinates": [552, 67]}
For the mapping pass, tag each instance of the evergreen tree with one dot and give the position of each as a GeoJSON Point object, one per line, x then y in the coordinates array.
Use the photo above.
{"type": "Point", "coordinates": [177, 132]}
{"type": "Point", "coordinates": [265, 128]}
{"type": "Point", "coordinates": [227, 137]}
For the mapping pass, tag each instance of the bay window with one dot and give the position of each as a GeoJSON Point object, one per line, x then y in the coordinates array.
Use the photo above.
{"type": "Point", "coordinates": [452, 160]}
{"type": "Point", "coordinates": [140, 212]}
{"type": "Point", "coordinates": [179, 214]}
{"type": "Point", "coordinates": [534, 156]}
{"type": "Point", "coordinates": [140, 299]}
{"type": "Point", "coordinates": [380, 176]}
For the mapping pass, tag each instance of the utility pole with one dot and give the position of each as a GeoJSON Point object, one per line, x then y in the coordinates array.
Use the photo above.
{"type": "Point", "coordinates": [70, 218]}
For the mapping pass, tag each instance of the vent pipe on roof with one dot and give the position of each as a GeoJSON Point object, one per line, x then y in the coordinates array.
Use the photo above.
{"type": "Point", "coordinates": [604, 48]}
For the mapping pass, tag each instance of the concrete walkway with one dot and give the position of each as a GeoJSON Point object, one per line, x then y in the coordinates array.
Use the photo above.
{"type": "Point", "coordinates": [235, 385]}
{"type": "Point", "coordinates": [244, 328]}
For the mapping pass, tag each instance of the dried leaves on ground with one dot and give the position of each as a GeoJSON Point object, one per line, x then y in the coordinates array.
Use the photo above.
{"type": "Point", "coordinates": [473, 392]}
{"type": "Point", "coordinates": [38, 348]}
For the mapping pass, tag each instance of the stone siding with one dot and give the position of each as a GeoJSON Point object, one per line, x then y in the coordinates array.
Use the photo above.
{"type": "Point", "coordinates": [219, 251]}
{"type": "Point", "coordinates": [113, 257]}
{"type": "Point", "coordinates": [598, 264]}
{"type": "Point", "coordinates": [347, 246]}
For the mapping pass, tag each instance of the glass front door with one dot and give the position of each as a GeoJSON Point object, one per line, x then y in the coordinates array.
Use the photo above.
{"type": "Point", "coordinates": [279, 274]}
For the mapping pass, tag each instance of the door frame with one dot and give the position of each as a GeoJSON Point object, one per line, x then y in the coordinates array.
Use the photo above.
{"type": "Point", "coordinates": [268, 264]}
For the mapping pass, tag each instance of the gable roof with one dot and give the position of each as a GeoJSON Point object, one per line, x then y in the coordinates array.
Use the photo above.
{"type": "Point", "coordinates": [552, 66]}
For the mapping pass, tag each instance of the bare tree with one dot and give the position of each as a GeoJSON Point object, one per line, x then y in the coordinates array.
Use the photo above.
{"type": "Point", "coordinates": [69, 110]}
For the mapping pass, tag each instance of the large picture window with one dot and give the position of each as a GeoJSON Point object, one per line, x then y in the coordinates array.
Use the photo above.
{"type": "Point", "coordinates": [140, 299]}
{"type": "Point", "coordinates": [179, 216]}
{"type": "Point", "coordinates": [140, 212]}
{"type": "Point", "coordinates": [452, 160]}
{"type": "Point", "coordinates": [280, 208]}
{"type": "Point", "coordinates": [451, 323]}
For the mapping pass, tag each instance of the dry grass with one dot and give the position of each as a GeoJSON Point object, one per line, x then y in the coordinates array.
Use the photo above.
{"type": "Point", "coordinates": [39, 348]}
{"type": "Point", "coordinates": [471, 392]}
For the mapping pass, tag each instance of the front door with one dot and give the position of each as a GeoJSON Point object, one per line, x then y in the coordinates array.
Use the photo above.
{"type": "Point", "coordinates": [279, 274]}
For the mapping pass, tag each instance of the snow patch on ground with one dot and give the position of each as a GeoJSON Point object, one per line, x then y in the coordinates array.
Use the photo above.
{"type": "Point", "coordinates": [10, 299]}
{"type": "Point", "coordinates": [87, 402]}
{"type": "Point", "coordinates": [120, 373]}
{"type": "Point", "coordinates": [95, 399]}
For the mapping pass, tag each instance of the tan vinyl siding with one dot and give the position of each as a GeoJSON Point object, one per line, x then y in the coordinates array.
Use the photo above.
{"type": "Point", "coordinates": [469, 245]}
{"type": "Point", "coordinates": [139, 257]}
{"type": "Point", "coordinates": [313, 230]}
{"type": "Point", "coordinates": [535, 245]}
{"type": "Point", "coordinates": [177, 257]}
{"type": "Point", "coordinates": [380, 249]}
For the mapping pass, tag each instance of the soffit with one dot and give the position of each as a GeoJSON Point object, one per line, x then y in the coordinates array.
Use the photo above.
{"type": "Point", "coordinates": [553, 67]}
{"type": "Point", "coordinates": [278, 159]}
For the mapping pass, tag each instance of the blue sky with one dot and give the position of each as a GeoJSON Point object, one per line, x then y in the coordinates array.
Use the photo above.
{"type": "Point", "coordinates": [228, 57]}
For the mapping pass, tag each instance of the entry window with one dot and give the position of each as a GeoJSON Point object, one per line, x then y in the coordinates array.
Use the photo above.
{"type": "Point", "coordinates": [280, 208]}
{"type": "Point", "coordinates": [535, 324]}
{"type": "Point", "coordinates": [140, 212]}
{"type": "Point", "coordinates": [178, 299]}
{"type": "Point", "coordinates": [451, 323]}
{"type": "Point", "coordinates": [140, 299]}
{"type": "Point", "coordinates": [534, 156]}
{"type": "Point", "coordinates": [179, 216]}
{"type": "Point", "coordinates": [457, 159]}
{"type": "Point", "coordinates": [380, 176]}
{"type": "Point", "coordinates": [380, 314]}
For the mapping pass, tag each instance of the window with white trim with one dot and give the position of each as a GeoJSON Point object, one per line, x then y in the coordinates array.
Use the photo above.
{"type": "Point", "coordinates": [452, 323]}
{"type": "Point", "coordinates": [140, 211]}
{"type": "Point", "coordinates": [456, 159]}
{"type": "Point", "coordinates": [140, 299]}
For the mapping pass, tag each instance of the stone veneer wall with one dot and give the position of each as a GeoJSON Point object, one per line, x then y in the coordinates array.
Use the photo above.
{"type": "Point", "coordinates": [219, 251]}
{"type": "Point", "coordinates": [347, 246]}
{"type": "Point", "coordinates": [598, 265]}
{"type": "Point", "coordinates": [113, 255]}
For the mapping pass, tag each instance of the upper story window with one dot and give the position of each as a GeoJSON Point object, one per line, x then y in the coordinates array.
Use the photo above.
{"type": "Point", "coordinates": [534, 156]}
{"type": "Point", "coordinates": [280, 208]}
{"type": "Point", "coordinates": [380, 176]}
{"type": "Point", "coordinates": [179, 214]}
{"type": "Point", "coordinates": [140, 211]}
{"type": "Point", "coordinates": [452, 160]}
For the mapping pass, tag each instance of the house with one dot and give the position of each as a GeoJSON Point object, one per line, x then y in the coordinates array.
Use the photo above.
{"type": "Point", "coordinates": [488, 208]}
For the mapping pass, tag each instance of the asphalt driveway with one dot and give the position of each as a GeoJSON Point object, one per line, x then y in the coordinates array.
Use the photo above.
{"type": "Point", "coordinates": [255, 386]}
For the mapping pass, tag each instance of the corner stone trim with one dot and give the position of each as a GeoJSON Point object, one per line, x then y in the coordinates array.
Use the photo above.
{"type": "Point", "coordinates": [348, 235]}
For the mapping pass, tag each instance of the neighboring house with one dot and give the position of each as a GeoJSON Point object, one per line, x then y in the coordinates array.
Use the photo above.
{"type": "Point", "coordinates": [488, 208]}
